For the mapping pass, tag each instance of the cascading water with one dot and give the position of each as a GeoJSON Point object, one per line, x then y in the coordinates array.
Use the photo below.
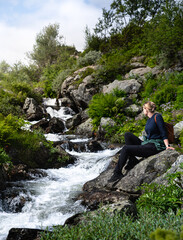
{"type": "Point", "coordinates": [51, 200]}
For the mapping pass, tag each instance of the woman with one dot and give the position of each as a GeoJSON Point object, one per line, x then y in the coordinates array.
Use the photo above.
{"type": "Point", "coordinates": [155, 141]}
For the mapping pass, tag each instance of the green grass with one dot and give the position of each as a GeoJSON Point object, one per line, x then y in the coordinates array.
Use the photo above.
{"type": "Point", "coordinates": [118, 226]}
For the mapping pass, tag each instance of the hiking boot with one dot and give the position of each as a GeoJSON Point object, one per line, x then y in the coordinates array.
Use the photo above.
{"type": "Point", "coordinates": [115, 177]}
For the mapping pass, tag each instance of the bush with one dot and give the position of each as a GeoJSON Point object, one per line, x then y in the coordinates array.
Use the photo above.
{"type": "Point", "coordinates": [167, 94]}
{"type": "Point", "coordinates": [4, 158]}
{"type": "Point", "coordinates": [104, 105]}
{"type": "Point", "coordinates": [90, 58]}
{"type": "Point", "coordinates": [57, 82]}
{"type": "Point", "coordinates": [162, 197]}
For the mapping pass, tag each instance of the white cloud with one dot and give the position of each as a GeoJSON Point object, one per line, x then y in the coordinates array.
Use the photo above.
{"type": "Point", "coordinates": [73, 16]}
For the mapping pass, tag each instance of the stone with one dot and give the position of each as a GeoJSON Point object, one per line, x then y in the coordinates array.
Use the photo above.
{"type": "Point", "coordinates": [32, 109]}
{"type": "Point", "coordinates": [85, 129]}
{"type": "Point", "coordinates": [129, 86]}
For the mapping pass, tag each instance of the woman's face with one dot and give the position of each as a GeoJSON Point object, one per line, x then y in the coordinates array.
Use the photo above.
{"type": "Point", "coordinates": [145, 110]}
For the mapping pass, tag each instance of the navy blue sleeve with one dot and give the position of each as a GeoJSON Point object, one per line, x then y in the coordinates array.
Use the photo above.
{"type": "Point", "coordinates": [161, 126]}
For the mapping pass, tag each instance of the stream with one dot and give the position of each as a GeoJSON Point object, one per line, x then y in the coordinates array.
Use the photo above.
{"type": "Point", "coordinates": [51, 200]}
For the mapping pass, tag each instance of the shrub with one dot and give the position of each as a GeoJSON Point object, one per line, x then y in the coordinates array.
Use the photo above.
{"type": "Point", "coordinates": [162, 197]}
{"type": "Point", "coordinates": [104, 225]}
{"type": "Point", "coordinates": [90, 58]}
{"type": "Point", "coordinates": [104, 105]}
{"type": "Point", "coordinates": [4, 158]}
{"type": "Point", "coordinates": [164, 95]}
{"type": "Point", "coordinates": [57, 82]}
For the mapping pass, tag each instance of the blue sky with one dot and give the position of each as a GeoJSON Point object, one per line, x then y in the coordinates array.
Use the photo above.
{"type": "Point", "coordinates": [22, 20]}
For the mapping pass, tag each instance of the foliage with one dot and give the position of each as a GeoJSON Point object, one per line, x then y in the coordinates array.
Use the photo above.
{"type": "Point", "coordinates": [104, 105]}
{"type": "Point", "coordinates": [89, 58]}
{"type": "Point", "coordinates": [162, 197]}
{"type": "Point", "coordinates": [162, 234]}
{"type": "Point", "coordinates": [104, 225]}
{"type": "Point", "coordinates": [45, 51]}
{"type": "Point", "coordinates": [57, 82]}
{"type": "Point", "coordinates": [4, 158]}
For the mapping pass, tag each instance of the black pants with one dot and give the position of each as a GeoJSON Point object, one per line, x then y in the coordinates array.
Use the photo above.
{"type": "Point", "coordinates": [134, 148]}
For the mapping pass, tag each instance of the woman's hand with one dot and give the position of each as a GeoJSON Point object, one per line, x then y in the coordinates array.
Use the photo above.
{"type": "Point", "coordinates": [168, 147]}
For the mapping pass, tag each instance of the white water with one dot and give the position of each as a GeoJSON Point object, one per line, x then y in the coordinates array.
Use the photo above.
{"type": "Point", "coordinates": [51, 198]}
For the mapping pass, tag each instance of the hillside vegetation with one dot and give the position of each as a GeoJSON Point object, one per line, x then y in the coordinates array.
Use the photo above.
{"type": "Point", "coordinates": [148, 29]}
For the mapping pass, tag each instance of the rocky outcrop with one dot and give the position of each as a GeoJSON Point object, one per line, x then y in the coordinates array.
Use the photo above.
{"type": "Point", "coordinates": [146, 171]}
{"type": "Point", "coordinates": [78, 90]}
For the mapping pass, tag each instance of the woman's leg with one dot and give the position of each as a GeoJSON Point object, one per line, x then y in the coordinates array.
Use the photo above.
{"type": "Point", "coordinates": [131, 139]}
{"type": "Point", "coordinates": [132, 151]}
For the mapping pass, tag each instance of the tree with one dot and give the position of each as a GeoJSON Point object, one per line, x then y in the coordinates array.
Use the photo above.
{"type": "Point", "coordinates": [46, 50]}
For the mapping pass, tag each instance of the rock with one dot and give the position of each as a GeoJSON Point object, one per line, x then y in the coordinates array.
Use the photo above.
{"type": "Point", "coordinates": [3, 177]}
{"type": "Point", "coordinates": [74, 121]}
{"type": "Point", "coordinates": [144, 172]}
{"type": "Point", "coordinates": [24, 234]}
{"type": "Point", "coordinates": [32, 109]}
{"type": "Point", "coordinates": [43, 124]}
{"type": "Point", "coordinates": [124, 206]}
{"type": "Point", "coordinates": [177, 129]}
{"type": "Point", "coordinates": [174, 168]}
{"type": "Point", "coordinates": [137, 59]}
{"type": "Point", "coordinates": [147, 170]}
{"type": "Point", "coordinates": [137, 65]}
{"type": "Point", "coordinates": [94, 199]}
{"type": "Point", "coordinates": [134, 109]}
{"type": "Point", "coordinates": [85, 129]}
{"type": "Point", "coordinates": [129, 86]}
{"type": "Point", "coordinates": [79, 93]}
{"type": "Point", "coordinates": [55, 125]}
{"type": "Point", "coordinates": [142, 71]}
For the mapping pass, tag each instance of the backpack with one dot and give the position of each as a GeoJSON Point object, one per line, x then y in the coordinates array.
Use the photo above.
{"type": "Point", "coordinates": [170, 131]}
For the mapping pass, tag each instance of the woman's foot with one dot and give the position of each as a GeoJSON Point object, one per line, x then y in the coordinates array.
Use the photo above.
{"type": "Point", "coordinates": [115, 177]}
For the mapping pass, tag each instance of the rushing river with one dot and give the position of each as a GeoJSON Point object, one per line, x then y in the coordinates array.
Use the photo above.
{"type": "Point", "coordinates": [51, 199]}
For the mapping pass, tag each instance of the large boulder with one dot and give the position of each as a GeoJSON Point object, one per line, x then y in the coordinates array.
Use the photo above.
{"type": "Point", "coordinates": [78, 90]}
{"type": "Point", "coordinates": [146, 171]}
{"type": "Point", "coordinates": [33, 110]}
{"type": "Point", "coordinates": [85, 128]}
{"type": "Point", "coordinates": [129, 86]}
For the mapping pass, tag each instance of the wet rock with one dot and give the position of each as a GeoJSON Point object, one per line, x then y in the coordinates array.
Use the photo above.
{"type": "Point", "coordinates": [74, 121]}
{"type": "Point", "coordinates": [56, 125]}
{"type": "Point", "coordinates": [43, 124]}
{"type": "Point", "coordinates": [24, 234]}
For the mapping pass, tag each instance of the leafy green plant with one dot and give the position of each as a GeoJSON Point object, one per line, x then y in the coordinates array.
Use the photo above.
{"type": "Point", "coordinates": [4, 158]}
{"type": "Point", "coordinates": [163, 234]}
{"type": "Point", "coordinates": [162, 197]}
{"type": "Point", "coordinates": [105, 105]}
{"type": "Point", "coordinates": [105, 225]}
{"type": "Point", "coordinates": [90, 58]}
{"type": "Point", "coordinates": [167, 94]}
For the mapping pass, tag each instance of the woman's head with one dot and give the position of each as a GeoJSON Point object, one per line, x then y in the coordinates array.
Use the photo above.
{"type": "Point", "coordinates": [149, 107]}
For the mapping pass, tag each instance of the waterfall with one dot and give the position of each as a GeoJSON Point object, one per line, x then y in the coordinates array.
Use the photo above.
{"type": "Point", "coordinates": [50, 200]}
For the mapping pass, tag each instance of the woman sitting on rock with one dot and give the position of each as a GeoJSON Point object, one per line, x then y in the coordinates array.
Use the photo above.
{"type": "Point", "coordinates": [155, 141]}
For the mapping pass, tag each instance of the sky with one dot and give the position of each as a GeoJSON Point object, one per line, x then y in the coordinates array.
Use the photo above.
{"type": "Point", "coordinates": [22, 20]}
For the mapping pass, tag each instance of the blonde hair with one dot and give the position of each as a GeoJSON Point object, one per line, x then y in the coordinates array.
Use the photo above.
{"type": "Point", "coordinates": [151, 106]}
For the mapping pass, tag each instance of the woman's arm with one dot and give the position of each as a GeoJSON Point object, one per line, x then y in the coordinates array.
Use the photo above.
{"type": "Point", "coordinates": [167, 144]}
